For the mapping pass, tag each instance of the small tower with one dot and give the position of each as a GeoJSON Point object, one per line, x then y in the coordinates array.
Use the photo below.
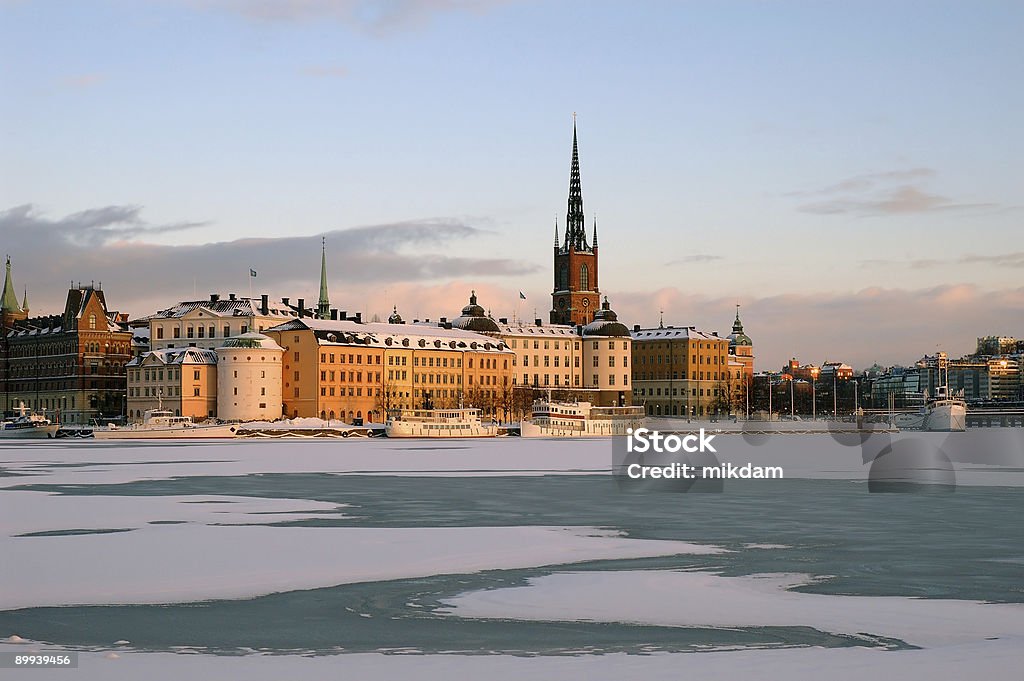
{"type": "Point", "coordinates": [10, 310]}
{"type": "Point", "coordinates": [323, 306]}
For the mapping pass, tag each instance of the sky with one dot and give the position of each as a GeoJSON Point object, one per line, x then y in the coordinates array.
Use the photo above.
{"type": "Point", "coordinates": [849, 173]}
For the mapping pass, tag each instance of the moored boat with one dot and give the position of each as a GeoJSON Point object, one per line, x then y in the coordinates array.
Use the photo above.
{"type": "Point", "coordinates": [580, 419]}
{"type": "Point", "coordinates": [438, 423]}
{"type": "Point", "coordinates": [161, 424]}
{"type": "Point", "coordinates": [27, 426]}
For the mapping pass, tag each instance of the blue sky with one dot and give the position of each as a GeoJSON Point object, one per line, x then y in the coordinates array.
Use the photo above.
{"type": "Point", "coordinates": [821, 162]}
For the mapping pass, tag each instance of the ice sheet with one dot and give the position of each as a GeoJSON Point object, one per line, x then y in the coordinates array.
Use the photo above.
{"type": "Point", "coordinates": [701, 599]}
{"type": "Point", "coordinates": [183, 563]}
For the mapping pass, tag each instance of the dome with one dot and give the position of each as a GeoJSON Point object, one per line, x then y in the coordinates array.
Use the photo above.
{"type": "Point", "coordinates": [251, 340]}
{"type": "Point", "coordinates": [737, 337]}
{"type": "Point", "coordinates": [395, 318]}
{"type": "Point", "coordinates": [474, 319]}
{"type": "Point", "coordinates": [606, 323]}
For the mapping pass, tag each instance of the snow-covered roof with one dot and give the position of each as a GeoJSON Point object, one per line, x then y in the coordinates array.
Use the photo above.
{"type": "Point", "coordinates": [237, 307]}
{"type": "Point", "coordinates": [251, 340]}
{"type": "Point", "coordinates": [379, 334]}
{"type": "Point", "coordinates": [670, 332]}
{"type": "Point", "coordinates": [175, 356]}
{"type": "Point", "coordinates": [529, 330]}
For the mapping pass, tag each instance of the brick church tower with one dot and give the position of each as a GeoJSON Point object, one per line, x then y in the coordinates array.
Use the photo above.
{"type": "Point", "coordinates": [575, 297]}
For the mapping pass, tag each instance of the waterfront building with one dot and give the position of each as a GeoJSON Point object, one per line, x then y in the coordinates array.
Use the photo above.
{"type": "Point", "coordinates": [180, 380]}
{"type": "Point", "coordinates": [682, 369]}
{"type": "Point", "coordinates": [741, 349]}
{"type": "Point", "coordinates": [249, 378]}
{"type": "Point", "coordinates": [70, 365]}
{"type": "Point", "coordinates": [341, 369]}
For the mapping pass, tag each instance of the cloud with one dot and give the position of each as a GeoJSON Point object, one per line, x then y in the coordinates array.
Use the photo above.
{"type": "Point", "coordinates": [695, 258]}
{"type": "Point", "coordinates": [370, 15]}
{"type": "Point", "coordinates": [885, 325]}
{"type": "Point", "coordinates": [102, 244]}
{"type": "Point", "coordinates": [326, 71]}
{"type": "Point", "coordinates": [883, 193]}
{"type": "Point", "coordinates": [1014, 260]}
{"type": "Point", "coordinates": [84, 80]}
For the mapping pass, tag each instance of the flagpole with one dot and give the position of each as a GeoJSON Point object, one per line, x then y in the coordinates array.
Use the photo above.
{"type": "Point", "coordinates": [250, 282]}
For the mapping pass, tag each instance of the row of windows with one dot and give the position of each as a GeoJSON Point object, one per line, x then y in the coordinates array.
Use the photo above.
{"type": "Point", "coordinates": [695, 392]}
{"type": "Point", "coordinates": [564, 380]}
{"type": "Point", "coordinates": [34, 350]}
{"type": "Point", "coordinates": [694, 375]}
{"type": "Point", "coordinates": [668, 359]}
{"type": "Point", "coordinates": [200, 331]}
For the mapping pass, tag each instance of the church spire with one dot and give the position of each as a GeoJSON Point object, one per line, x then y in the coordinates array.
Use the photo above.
{"type": "Point", "coordinates": [575, 230]}
{"type": "Point", "coordinates": [9, 303]}
{"type": "Point", "coordinates": [556, 232]}
{"type": "Point", "coordinates": [595, 231]}
{"type": "Point", "coordinates": [24, 301]}
{"type": "Point", "coordinates": [737, 326]}
{"type": "Point", "coordinates": [323, 307]}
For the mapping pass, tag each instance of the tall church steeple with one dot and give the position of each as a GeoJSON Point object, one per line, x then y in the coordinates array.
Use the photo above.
{"type": "Point", "coordinates": [323, 307]}
{"type": "Point", "coordinates": [575, 296]}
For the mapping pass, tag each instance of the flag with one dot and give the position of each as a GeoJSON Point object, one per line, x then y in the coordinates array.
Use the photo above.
{"type": "Point", "coordinates": [522, 296]}
{"type": "Point", "coordinates": [252, 273]}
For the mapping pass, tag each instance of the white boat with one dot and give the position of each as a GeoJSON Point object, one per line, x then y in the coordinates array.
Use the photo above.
{"type": "Point", "coordinates": [27, 426]}
{"type": "Point", "coordinates": [440, 423]}
{"type": "Point", "coordinates": [943, 412]}
{"type": "Point", "coordinates": [580, 419]}
{"type": "Point", "coordinates": [161, 424]}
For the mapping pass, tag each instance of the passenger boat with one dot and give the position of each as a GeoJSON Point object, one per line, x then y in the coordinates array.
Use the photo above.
{"type": "Point", "coordinates": [438, 423]}
{"type": "Point", "coordinates": [942, 412]}
{"type": "Point", "coordinates": [27, 426]}
{"type": "Point", "coordinates": [161, 424]}
{"type": "Point", "coordinates": [580, 419]}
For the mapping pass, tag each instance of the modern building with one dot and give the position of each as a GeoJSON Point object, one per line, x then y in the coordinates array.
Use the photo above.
{"type": "Point", "coordinates": [71, 365]}
{"type": "Point", "coordinates": [250, 378]}
{"type": "Point", "coordinates": [181, 380]}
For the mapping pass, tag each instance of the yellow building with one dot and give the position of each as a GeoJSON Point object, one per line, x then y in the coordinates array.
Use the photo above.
{"type": "Point", "coordinates": [181, 380]}
{"type": "Point", "coordinates": [206, 323]}
{"type": "Point", "coordinates": [676, 369]}
{"type": "Point", "coordinates": [346, 370]}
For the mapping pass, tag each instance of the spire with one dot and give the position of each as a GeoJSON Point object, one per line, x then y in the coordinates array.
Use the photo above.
{"type": "Point", "coordinates": [323, 307]}
{"type": "Point", "coordinates": [737, 326]}
{"type": "Point", "coordinates": [24, 302]}
{"type": "Point", "coordinates": [9, 303]}
{"type": "Point", "coordinates": [575, 230]}
{"type": "Point", "coordinates": [556, 232]}
{"type": "Point", "coordinates": [595, 230]}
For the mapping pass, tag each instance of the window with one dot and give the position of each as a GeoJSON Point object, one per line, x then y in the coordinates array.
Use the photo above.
{"type": "Point", "coordinates": [195, 375]}
{"type": "Point", "coordinates": [611, 379]}
{"type": "Point", "coordinates": [92, 321]}
{"type": "Point", "coordinates": [191, 333]}
{"type": "Point", "coordinates": [584, 278]}
{"type": "Point", "coordinates": [227, 330]}
{"type": "Point", "coordinates": [202, 332]}
{"type": "Point", "coordinates": [195, 392]}
{"type": "Point", "coordinates": [177, 332]}
{"type": "Point", "coordinates": [611, 360]}
{"type": "Point", "coordinates": [159, 332]}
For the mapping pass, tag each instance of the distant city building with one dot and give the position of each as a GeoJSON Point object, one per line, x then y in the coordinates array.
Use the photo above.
{"type": "Point", "coordinates": [741, 348]}
{"type": "Point", "coordinates": [997, 346]}
{"type": "Point", "coordinates": [249, 378]}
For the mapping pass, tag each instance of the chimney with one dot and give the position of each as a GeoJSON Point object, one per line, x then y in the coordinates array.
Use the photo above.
{"type": "Point", "coordinates": [444, 320]}
{"type": "Point", "coordinates": [447, 325]}
{"type": "Point", "coordinates": [265, 304]}
{"type": "Point", "coordinates": [334, 314]}
{"type": "Point", "coordinates": [503, 320]}
{"type": "Point", "coordinates": [231, 296]}
{"type": "Point", "coordinates": [302, 308]}
{"type": "Point", "coordinates": [343, 315]}
{"type": "Point", "coordinates": [284, 301]}
{"type": "Point", "coordinates": [214, 297]}
{"type": "Point", "coordinates": [359, 317]}
{"type": "Point", "coordinates": [537, 321]}
{"type": "Point", "coordinates": [636, 328]}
